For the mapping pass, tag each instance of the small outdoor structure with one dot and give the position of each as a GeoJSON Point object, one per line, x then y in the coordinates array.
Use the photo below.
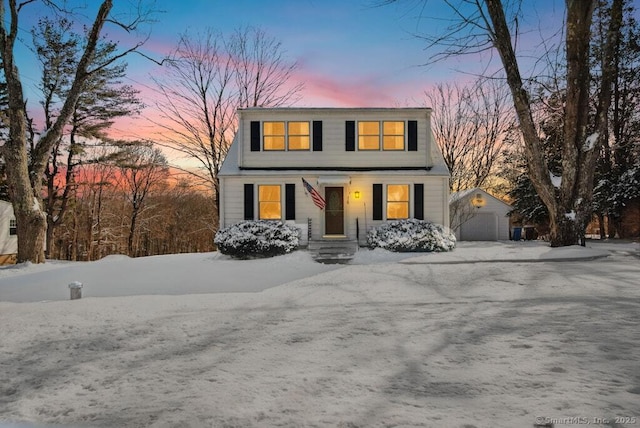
{"type": "Point", "coordinates": [478, 216]}
{"type": "Point", "coordinates": [8, 235]}
{"type": "Point", "coordinates": [76, 290]}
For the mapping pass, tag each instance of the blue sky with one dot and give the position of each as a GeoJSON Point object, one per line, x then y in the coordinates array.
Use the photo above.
{"type": "Point", "coordinates": [350, 52]}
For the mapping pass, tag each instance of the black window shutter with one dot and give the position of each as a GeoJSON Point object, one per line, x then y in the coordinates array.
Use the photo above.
{"type": "Point", "coordinates": [350, 136]}
{"type": "Point", "coordinates": [418, 201]}
{"type": "Point", "coordinates": [317, 135]}
{"type": "Point", "coordinates": [248, 201]}
{"type": "Point", "coordinates": [290, 201]}
{"type": "Point", "coordinates": [255, 136]}
{"type": "Point", "coordinates": [377, 201]}
{"type": "Point", "coordinates": [412, 135]}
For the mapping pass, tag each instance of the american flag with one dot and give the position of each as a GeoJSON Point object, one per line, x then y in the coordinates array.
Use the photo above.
{"type": "Point", "coordinates": [317, 198]}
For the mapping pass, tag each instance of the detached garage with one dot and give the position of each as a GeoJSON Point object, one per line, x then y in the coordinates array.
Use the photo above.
{"type": "Point", "coordinates": [478, 216]}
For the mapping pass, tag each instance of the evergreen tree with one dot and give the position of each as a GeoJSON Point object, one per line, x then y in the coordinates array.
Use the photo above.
{"type": "Point", "coordinates": [619, 161]}
{"type": "Point", "coordinates": [616, 166]}
{"type": "Point", "coordinates": [26, 162]}
{"type": "Point", "coordinates": [102, 99]}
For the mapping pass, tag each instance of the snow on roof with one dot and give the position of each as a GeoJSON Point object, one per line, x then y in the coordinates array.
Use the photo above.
{"type": "Point", "coordinates": [230, 163]}
{"type": "Point", "coordinates": [456, 196]}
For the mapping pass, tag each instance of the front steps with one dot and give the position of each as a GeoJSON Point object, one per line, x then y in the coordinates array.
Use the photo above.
{"type": "Point", "coordinates": [333, 250]}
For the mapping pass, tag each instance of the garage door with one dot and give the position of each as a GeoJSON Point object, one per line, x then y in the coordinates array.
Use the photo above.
{"type": "Point", "coordinates": [481, 227]}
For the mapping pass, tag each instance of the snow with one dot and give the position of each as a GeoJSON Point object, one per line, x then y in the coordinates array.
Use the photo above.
{"type": "Point", "coordinates": [411, 235]}
{"type": "Point", "coordinates": [590, 142]}
{"type": "Point", "coordinates": [571, 215]}
{"type": "Point", "coordinates": [476, 337]}
{"type": "Point", "coordinates": [555, 180]}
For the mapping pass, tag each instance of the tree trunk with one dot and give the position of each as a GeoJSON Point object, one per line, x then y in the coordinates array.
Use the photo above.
{"type": "Point", "coordinates": [49, 235]}
{"type": "Point", "coordinates": [569, 206]}
{"type": "Point", "coordinates": [132, 231]}
{"type": "Point", "coordinates": [30, 226]}
{"type": "Point", "coordinates": [563, 229]}
{"type": "Point", "coordinates": [603, 232]}
{"type": "Point", "coordinates": [30, 219]}
{"type": "Point", "coordinates": [25, 171]}
{"type": "Point", "coordinates": [31, 222]}
{"type": "Point", "coordinates": [614, 226]}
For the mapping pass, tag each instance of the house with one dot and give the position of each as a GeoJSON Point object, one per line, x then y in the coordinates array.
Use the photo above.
{"type": "Point", "coordinates": [478, 216]}
{"type": "Point", "coordinates": [367, 165]}
{"type": "Point", "coordinates": [8, 234]}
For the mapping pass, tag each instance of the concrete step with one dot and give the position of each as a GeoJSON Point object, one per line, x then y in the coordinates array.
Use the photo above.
{"type": "Point", "coordinates": [333, 250]}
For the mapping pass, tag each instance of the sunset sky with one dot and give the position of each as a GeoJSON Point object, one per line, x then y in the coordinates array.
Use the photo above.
{"type": "Point", "coordinates": [351, 53]}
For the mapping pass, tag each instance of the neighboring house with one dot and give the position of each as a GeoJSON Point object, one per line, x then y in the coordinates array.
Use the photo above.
{"type": "Point", "coordinates": [8, 235]}
{"type": "Point", "coordinates": [478, 216]}
{"type": "Point", "coordinates": [368, 165]}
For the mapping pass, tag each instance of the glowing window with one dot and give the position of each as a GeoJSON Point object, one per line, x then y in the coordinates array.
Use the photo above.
{"type": "Point", "coordinates": [397, 201]}
{"type": "Point", "coordinates": [269, 202]}
{"type": "Point", "coordinates": [393, 135]}
{"type": "Point", "coordinates": [298, 135]}
{"type": "Point", "coordinates": [273, 135]}
{"type": "Point", "coordinates": [368, 135]}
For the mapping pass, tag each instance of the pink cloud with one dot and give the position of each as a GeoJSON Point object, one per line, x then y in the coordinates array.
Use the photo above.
{"type": "Point", "coordinates": [349, 91]}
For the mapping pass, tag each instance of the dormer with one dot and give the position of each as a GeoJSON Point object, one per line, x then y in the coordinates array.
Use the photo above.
{"type": "Point", "coordinates": [335, 138]}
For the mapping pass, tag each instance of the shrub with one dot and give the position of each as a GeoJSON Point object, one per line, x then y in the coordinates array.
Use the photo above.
{"type": "Point", "coordinates": [257, 239]}
{"type": "Point", "coordinates": [411, 235]}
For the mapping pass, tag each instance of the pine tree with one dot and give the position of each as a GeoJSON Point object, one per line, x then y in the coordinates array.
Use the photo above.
{"type": "Point", "coordinates": [619, 162]}
{"type": "Point", "coordinates": [103, 98]}
{"type": "Point", "coordinates": [26, 163]}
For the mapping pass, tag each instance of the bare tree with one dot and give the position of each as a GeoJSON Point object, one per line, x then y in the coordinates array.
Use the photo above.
{"type": "Point", "coordinates": [198, 103]}
{"type": "Point", "coordinates": [261, 71]}
{"type": "Point", "coordinates": [482, 25]}
{"type": "Point", "coordinates": [142, 170]}
{"type": "Point", "coordinates": [471, 125]}
{"type": "Point", "coordinates": [94, 201]}
{"type": "Point", "coordinates": [207, 79]}
{"type": "Point", "coordinates": [25, 168]}
{"type": "Point", "coordinates": [570, 205]}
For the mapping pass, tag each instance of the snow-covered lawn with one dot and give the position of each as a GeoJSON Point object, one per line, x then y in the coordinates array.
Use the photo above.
{"type": "Point", "coordinates": [437, 340]}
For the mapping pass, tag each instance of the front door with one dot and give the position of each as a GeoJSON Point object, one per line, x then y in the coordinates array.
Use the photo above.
{"type": "Point", "coordinates": [334, 211]}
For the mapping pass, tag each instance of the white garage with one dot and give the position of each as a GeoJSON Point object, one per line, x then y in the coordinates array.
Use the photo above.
{"type": "Point", "coordinates": [478, 216]}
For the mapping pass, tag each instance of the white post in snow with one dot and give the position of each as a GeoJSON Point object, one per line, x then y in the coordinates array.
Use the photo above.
{"type": "Point", "coordinates": [76, 290]}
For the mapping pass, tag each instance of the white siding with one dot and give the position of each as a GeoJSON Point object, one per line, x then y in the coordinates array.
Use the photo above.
{"type": "Point", "coordinates": [489, 222]}
{"type": "Point", "coordinates": [359, 170]}
{"type": "Point", "coordinates": [8, 243]}
{"type": "Point", "coordinates": [358, 212]}
{"type": "Point", "coordinates": [333, 152]}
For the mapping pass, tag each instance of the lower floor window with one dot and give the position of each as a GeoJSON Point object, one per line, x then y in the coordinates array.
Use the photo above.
{"type": "Point", "coordinates": [397, 201]}
{"type": "Point", "coordinates": [13, 227]}
{"type": "Point", "coordinates": [269, 202]}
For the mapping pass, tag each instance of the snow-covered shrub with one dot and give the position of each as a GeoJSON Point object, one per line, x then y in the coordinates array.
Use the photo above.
{"type": "Point", "coordinates": [257, 239]}
{"type": "Point", "coordinates": [411, 235]}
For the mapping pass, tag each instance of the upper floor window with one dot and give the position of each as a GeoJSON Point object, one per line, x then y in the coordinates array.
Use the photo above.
{"type": "Point", "coordinates": [274, 135]}
{"type": "Point", "coordinates": [13, 227]}
{"type": "Point", "coordinates": [393, 135]}
{"type": "Point", "coordinates": [397, 201]}
{"type": "Point", "coordinates": [269, 202]}
{"type": "Point", "coordinates": [370, 133]}
{"type": "Point", "coordinates": [298, 135]}
{"type": "Point", "coordinates": [286, 135]}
